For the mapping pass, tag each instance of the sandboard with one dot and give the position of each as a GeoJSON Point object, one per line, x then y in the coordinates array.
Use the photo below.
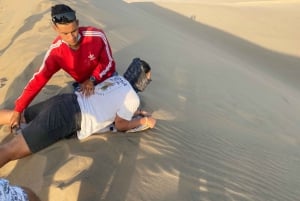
{"type": "Point", "coordinates": [140, 128]}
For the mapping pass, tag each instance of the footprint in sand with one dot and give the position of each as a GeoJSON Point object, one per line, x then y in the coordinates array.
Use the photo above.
{"type": "Point", "coordinates": [3, 81]}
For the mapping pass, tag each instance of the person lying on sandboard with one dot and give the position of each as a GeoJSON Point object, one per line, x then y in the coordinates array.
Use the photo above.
{"type": "Point", "coordinates": [115, 100]}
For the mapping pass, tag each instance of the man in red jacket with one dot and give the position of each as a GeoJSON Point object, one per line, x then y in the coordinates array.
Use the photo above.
{"type": "Point", "coordinates": [83, 52]}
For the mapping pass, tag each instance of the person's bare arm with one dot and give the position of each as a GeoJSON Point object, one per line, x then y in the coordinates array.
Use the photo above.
{"type": "Point", "coordinates": [124, 125]}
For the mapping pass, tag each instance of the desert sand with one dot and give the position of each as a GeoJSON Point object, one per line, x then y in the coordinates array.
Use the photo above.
{"type": "Point", "coordinates": [225, 91]}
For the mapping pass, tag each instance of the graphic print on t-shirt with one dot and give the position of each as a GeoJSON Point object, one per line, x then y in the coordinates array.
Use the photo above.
{"type": "Point", "coordinates": [110, 85]}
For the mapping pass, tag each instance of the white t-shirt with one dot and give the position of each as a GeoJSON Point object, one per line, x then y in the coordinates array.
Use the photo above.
{"type": "Point", "coordinates": [112, 96]}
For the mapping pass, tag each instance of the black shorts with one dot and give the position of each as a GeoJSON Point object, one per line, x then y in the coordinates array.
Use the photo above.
{"type": "Point", "coordinates": [50, 121]}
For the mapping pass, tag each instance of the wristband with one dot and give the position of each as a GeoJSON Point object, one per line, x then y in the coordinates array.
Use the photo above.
{"type": "Point", "coordinates": [93, 79]}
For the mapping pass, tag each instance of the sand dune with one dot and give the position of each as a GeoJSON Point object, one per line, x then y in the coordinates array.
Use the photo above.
{"type": "Point", "coordinates": [225, 92]}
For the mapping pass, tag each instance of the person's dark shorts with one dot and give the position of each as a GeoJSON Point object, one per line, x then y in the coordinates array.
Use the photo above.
{"type": "Point", "coordinates": [50, 121]}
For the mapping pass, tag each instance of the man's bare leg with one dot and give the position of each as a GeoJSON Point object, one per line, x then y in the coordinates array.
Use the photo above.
{"type": "Point", "coordinates": [15, 148]}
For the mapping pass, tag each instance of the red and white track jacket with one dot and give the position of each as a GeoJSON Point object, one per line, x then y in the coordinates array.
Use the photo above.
{"type": "Point", "coordinates": [93, 57]}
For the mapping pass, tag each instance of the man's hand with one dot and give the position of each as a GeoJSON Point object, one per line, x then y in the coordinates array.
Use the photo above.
{"type": "Point", "coordinates": [142, 113]}
{"type": "Point", "coordinates": [15, 120]}
{"type": "Point", "coordinates": [87, 88]}
{"type": "Point", "coordinates": [149, 121]}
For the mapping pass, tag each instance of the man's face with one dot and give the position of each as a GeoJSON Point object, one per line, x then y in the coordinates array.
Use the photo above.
{"type": "Point", "coordinates": [68, 32]}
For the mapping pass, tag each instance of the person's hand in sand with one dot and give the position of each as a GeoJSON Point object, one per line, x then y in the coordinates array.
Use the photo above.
{"type": "Point", "coordinates": [83, 52]}
{"type": "Point", "coordinates": [148, 120]}
{"type": "Point", "coordinates": [15, 120]}
{"type": "Point", "coordinates": [115, 101]}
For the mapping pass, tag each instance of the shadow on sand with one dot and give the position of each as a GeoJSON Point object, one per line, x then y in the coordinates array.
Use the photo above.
{"type": "Point", "coordinates": [113, 170]}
